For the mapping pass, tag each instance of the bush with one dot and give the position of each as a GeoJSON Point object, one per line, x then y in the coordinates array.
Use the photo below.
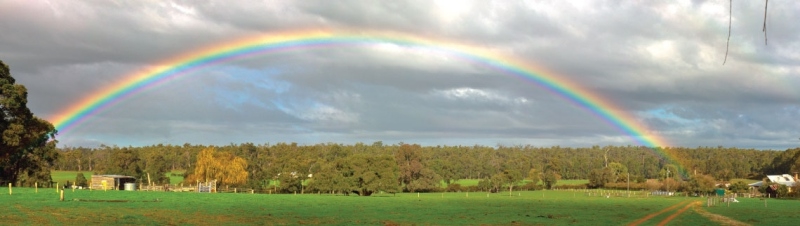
{"type": "Point", "coordinates": [624, 186]}
{"type": "Point", "coordinates": [80, 180]}
{"type": "Point", "coordinates": [453, 188]}
{"type": "Point", "coordinates": [739, 187]}
{"type": "Point", "coordinates": [472, 188]}
{"type": "Point", "coordinates": [531, 186]}
{"type": "Point", "coordinates": [571, 186]}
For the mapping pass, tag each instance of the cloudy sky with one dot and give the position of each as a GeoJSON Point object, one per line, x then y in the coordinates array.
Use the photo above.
{"type": "Point", "coordinates": [660, 61]}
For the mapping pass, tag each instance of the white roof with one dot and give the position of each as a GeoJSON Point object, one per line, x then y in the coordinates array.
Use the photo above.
{"type": "Point", "coordinates": [784, 179]}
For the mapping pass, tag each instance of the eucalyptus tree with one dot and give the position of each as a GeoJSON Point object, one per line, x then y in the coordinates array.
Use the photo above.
{"type": "Point", "coordinates": [28, 142]}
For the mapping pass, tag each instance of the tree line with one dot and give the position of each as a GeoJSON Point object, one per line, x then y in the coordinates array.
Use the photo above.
{"type": "Point", "coordinates": [364, 168]}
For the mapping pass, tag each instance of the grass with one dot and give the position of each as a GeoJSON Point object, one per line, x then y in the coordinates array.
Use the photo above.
{"type": "Point", "coordinates": [26, 206]}
{"type": "Point", "coordinates": [753, 211]}
{"type": "Point", "coordinates": [176, 179]}
{"type": "Point", "coordinates": [474, 182]}
{"type": "Point", "coordinates": [63, 176]}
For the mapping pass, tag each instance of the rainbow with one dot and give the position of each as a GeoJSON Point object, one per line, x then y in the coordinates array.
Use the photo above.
{"type": "Point", "coordinates": [182, 65]}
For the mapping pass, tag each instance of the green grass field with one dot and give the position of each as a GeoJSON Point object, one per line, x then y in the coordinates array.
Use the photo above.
{"type": "Point", "coordinates": [27, 207]}
{"type": "Point", "coordinates": [474, 182]}
{"type": "Point", "coordinates": [753, 211]}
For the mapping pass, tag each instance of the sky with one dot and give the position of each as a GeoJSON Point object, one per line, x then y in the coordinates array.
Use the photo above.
{"type": "Point", "coordinates": [659, 61]}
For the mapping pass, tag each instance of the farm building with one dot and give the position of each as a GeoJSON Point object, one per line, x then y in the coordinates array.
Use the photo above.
{"type": "Point", "coordinates": [112, 182]}
{"type": "Point", "coordinates": [784, 179]}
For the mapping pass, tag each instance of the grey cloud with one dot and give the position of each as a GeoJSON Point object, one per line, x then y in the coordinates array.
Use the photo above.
{"type": "Point", "coordinates": [664, 68]}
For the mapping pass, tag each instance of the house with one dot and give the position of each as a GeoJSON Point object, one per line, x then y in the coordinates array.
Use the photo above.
{"type": "Point", "coordinates": [784, 179]}
{"type": "Point", "coordinates": [111, 182]}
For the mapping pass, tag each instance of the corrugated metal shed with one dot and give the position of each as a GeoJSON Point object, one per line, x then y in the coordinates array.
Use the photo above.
{"type": "Point", "coordinates": [112, 182]}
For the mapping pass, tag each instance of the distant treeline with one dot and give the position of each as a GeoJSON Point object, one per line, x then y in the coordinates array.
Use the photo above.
{"type": "Point", "coordinates": [417, 164]}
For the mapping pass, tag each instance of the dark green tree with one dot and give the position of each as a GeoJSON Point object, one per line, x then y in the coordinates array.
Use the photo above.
{"type": "Point", "coordinates": [534, 176]}
{"type": "Point", "coordinates": [122, 161]}
{"type": "Point", "coordinates": [414, 176]}
{"type": "Point", "coordinates": [551, 175]}
{"type": "Point", "coordinates": [28, 142]}
{"type": "Point", "coordinates": [80, 180]}
{"type": "Point", "coordinates": [701, 184]}
{"type": "Point", "coordinates": [360, 174]}
{"type": "Point", "coordinates": [375, 173]}
{"type": "Point", "coordinates": [485, 184]}
{"type": "Point", "coordinates": [599, 177]}
{"type": "Point", "coordinates": [509, 178]}
{"type": "Point", "coordinates": [739, 187]}
{"type": "Point", "coordinates": [157, 169]}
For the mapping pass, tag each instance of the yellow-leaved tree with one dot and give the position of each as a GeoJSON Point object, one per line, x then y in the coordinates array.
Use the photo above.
{"type": "Point", "coordinates": [224, 167]}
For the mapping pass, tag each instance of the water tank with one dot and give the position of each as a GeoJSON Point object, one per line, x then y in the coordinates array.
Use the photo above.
{"type": "Point", "coordinates": [130, 187]}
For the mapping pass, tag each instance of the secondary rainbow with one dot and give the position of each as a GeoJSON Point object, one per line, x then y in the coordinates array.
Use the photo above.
{"type": "Point", "coordinates": [286, 41]}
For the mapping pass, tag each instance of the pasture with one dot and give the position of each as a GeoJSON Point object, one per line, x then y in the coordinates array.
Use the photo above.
{"type": "Point", "coordinates": [474, 182]}
{"type": "Point", "coordinates": [26, 206]}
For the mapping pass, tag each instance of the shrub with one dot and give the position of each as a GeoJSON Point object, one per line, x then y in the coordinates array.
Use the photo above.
{"type": "Point", "coordinates": [571, 186]}
{"type": "Point", "coordinates": [531, 186]}
{"type": "Point", "coordinates": [80, 180]}
{"type": "Point", "coordinates": [453, 188]}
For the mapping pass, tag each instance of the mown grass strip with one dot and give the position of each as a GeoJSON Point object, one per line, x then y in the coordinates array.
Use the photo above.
{"type": "Point", "coordinates": [674, 215]}
{"type": "Point", "coordinates": [649, 216]}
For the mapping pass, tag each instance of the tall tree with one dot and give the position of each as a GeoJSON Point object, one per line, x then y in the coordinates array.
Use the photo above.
{"type": "Point", "coordinates": [122, 161]}
{"type": "Point", "coordinates": [701, 184]}
{"type": "Point", "coordinates": [413, 174]}
{"type": "Point", "coordinates": [510, 178]}
{"type": "Point", "coordinates": [224, 167]}
{"type": "Point", "coordinates": [28, 142]}
{"type": "Point", "coordinates": [551, 175]}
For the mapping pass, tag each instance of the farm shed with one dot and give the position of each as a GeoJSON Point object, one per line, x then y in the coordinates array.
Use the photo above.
{"type": "Point", "coordinates": [784, 179]}
{"type": "Point", "coordinates": [113, 182]}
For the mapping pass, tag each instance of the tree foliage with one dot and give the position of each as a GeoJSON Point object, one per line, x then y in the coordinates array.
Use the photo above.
{"type": "Point", "coordinates": [80, 180]}
{"type": "Point", "coordinates": [415, 176]}
{"type": "Point", "coordinates": [360, 174]}
{"type": "Point", "coordinates": [599, 177]}
{"type": "Point", "coordinates": [424, 163]}
{"type": "Point", "coordinates": [123, 161]}
{"type": "Point", "coordinates": [551, 175]}
{"type": "Point", "coordinates": [509, 178]}
{"type": "Point", "coordinates": [224, 167]}
{"type": "Point", "coordinates": [28, 142]}
{"type": "Point", "coordinates": [701, 184]}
